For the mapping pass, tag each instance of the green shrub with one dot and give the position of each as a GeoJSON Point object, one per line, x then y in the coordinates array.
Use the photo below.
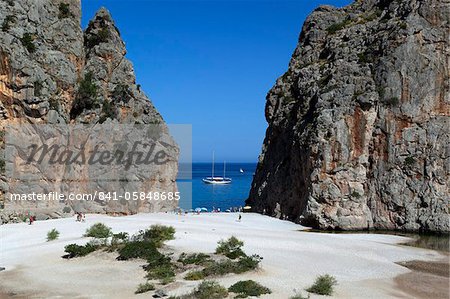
{"type": "Point", "coordinates": [195, 275]}
{"type": "Point", "coordinates": [102, 36]}
{"type": "Point", "coordinates": [155, 122]}
{"type": "Point", "coordinates": [2, 165]}
{"type": "Point", "coordinates": [137, 249]}
{"type": "Point", "coordinates": [119, 238]}
{"type": "Point", "coordinates": [195, 258]}
{"type": "Point", "coordinates": [108, 111]}
{"type": "Point", "coordinates": [52, 235]}
{"type": "Point", "coordinates": [231, 248]}
{"type": "Point", "coordinates": [247, 288]}
{"type": "Point", "coordinates": [6, 25]}
{"type": "Point", "coordinates": [157, 234]}
{"type": "Point", "coordinates": [67, 209]}
{"type": "Point", "coordinates": [27, 41]}
{"type": "Point", "coordinates": [118, 241]}
{"type": "Point", "coordinates": [157, 259]}
{"type": "Point", "coordinates": [37, 88]}
{"type": "Point", "coordinates": [244, 264]}
{"type": "Point", "coordinates": [209, 290]}
{"type": "Point", "coordinates": [87, 87]}
{"type": "Point", "coordinates": [220, 268]}
{"type": "Point", "coordinates": [249, 263]}
{"type": "Point", "coordinates": [166, 280]}
{"type": "Point", "coordinates": [64, 11]}
{"type": "Point", "coordinates": [381, 92]}
{"type": "Point", "coordinates": [323, 285]}
{"type": "Point", "coordinates": [162, 272]}
{"type": "Point", "coordinates": [159, 266]}
{"type": "Point", "coordinates": [74, 250]}
{"type": "Point", "coordinates": [355, 194]}
{"type": "Point", "coordinates": [144, 287]}
{"type": "Point", "coordinates": [338, 26]}
{"type": "Point", "coordinates": [86, 97]}
{"type": "Point", "coordinates": [99, 231]}
{"type": "Point", "coordinates": [409, 161]}
{"type": "Point", "coordinates": [403, 25]}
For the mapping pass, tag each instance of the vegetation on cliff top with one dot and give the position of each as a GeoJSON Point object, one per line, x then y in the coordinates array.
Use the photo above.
{"type": "Point", "coordinates": [64, 11]}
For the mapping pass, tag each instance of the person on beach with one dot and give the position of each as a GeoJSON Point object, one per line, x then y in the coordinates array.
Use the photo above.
{"type": "Point", "coordinates": [31, 220]}
{"type": "Point", "coordinates": [239, 218]}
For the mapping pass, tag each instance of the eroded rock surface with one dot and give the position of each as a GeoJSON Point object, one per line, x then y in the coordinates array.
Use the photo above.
{"type": "Point", "coordinates": [48, 67]}
{"type": "Point", "coordinates": [359, 124]}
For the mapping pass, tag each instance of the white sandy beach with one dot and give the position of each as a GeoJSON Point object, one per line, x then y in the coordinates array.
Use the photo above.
{"type": "Point", "coordinates": [364, 264]}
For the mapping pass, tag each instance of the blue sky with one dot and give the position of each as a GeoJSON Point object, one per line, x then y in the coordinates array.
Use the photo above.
{"type": "Point", "coordinates": [210, 63]}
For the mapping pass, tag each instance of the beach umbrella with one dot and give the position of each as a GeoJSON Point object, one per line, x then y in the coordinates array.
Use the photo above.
{"type": "Point", "coordinates": [198, 209]}
{"type": "Point", "coordinates": [247, 207]}
{"type": "Point", "coordinates": [204, 209]}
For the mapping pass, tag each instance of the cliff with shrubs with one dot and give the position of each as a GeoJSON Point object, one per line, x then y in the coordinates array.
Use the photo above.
{"type": "Point", "coordinates": [359, 124]}
{"type": "Point", "coordinates": [51, 72]}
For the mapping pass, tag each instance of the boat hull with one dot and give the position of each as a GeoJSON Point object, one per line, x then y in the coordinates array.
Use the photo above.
{"type": "Point", "coordinates": [217, 181]}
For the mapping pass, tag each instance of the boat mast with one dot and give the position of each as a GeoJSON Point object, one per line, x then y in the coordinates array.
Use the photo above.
{"type": "Point", "coordinates": [212, 171]}
{"type": "Point", "coordinates": [224, 167]}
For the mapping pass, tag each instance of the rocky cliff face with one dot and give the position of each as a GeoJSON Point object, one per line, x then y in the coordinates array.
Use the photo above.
{"type": "Point", "coordinates": [51, 72]}
{"type": "Point", "coordinates": [359, 127]}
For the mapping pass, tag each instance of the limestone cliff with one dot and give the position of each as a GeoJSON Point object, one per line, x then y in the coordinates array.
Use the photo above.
{"type": "Point", "coordinates": [53, 72]}
{"type": "Point", "coordinates": [359, 127]}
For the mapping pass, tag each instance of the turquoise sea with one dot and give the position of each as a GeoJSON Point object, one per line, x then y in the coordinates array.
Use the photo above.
{"type": "Point", "coordinates": [220, 196]}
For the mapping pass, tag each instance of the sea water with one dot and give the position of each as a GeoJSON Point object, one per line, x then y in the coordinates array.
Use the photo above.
{"type": "Point", "coordinates": [218, 196]}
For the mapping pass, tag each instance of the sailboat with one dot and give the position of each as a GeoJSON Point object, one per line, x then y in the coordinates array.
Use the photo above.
{"type": "Point", "coordinates": [217, 180]}
{"type": "Point", "coordinates": [241, 170]}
